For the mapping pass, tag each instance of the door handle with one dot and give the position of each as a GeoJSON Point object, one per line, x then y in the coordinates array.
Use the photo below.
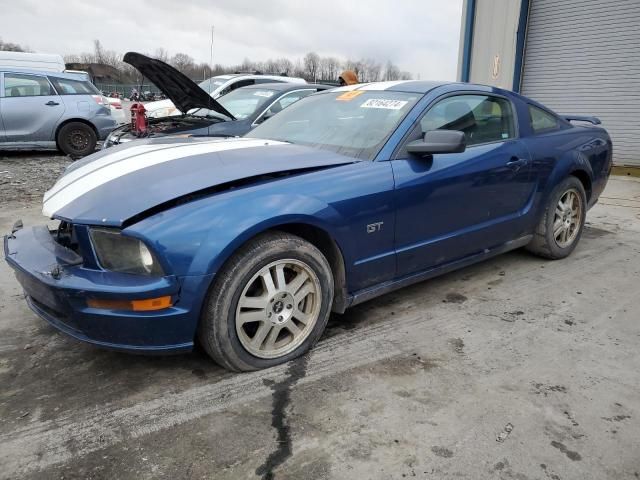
{"type": "Point", "coordinates": [517, 163]}
{"type": "Point", "coordinates": [51, 103]}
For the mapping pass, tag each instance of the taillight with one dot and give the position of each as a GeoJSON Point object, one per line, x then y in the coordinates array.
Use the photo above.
{"type": "Point", "coordinates": [100, 100]}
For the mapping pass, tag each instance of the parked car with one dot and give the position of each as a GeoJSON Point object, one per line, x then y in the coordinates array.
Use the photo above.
{"type": "Point", "coordinates": [52, 110]}
{"type": "Point", "coordinates": [248, 244]}
{"type": "Point", "coordinates": [246, 107]}
{"type": "Point", "coordinates": [117, 112]}
{"type": "Point", "coordinates": [216, 87]}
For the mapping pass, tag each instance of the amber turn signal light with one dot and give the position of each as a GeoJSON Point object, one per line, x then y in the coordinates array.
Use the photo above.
{"type": "Point", "coordinates": [146, 305]}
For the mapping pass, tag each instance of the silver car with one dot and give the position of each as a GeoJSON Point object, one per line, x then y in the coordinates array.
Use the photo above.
{"type": "Point", "coordinates": [51, 110]}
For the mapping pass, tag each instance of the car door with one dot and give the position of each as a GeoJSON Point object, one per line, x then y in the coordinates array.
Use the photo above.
{"type": "Point", "coordinates": [30, 108]}
{"type": "Point", "coordinates": [453, 205]}
{"type": "Point", "coordinates": [3, 137]}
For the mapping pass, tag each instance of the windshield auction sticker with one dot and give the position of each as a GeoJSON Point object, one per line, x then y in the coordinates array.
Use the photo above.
{"type": "Point", "coordinates": [350, 95]}
{"type": "Point", "coordinates": [263, 93]}
{"type": "Point", "coordinates": [384, 103]}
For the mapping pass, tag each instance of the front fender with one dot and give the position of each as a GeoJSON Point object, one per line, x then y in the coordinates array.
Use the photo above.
{"type": "Point", "coordinates": [197, 237]}
{"type": "Point", "coordinates": [289, 208]}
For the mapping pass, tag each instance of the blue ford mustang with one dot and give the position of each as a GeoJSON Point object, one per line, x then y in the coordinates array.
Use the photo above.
{"type": "Point", "coordinates": [248, 244]}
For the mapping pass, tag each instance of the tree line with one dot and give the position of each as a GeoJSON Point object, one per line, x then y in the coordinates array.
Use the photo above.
{"type": "Point", "coordinates": [12, 47]}
{"type": "Point", "coordinates": [312, 67]}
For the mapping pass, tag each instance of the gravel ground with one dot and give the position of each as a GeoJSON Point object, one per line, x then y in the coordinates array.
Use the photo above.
{"type": "Point", "coordinates": [516, 368]}
{"type": "Point", "coordinates": [25, 176]}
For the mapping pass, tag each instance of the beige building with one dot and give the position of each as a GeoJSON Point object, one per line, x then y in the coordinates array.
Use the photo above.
{"type": "Point", "coordinates": [575, 56]}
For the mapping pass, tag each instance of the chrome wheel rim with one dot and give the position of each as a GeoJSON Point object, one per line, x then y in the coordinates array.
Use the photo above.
{"type": "Point", "coordinates": [567, 218]}
{"type": "Point", "coordinates": [278, 308]}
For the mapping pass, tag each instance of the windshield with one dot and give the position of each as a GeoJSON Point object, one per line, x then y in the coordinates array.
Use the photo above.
{"type": "Point", "coordinates": [356, 123]}
{"type": "Point", "coordinates": [242, 102]}
{"type": "Point", "coordinates": [210, 84]}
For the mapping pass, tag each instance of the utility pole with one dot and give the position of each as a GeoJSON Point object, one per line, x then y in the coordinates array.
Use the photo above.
{"type": "Point", "coordinates": [211, 54]}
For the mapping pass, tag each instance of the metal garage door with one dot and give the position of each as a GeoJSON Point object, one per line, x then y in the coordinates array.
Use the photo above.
{"type": "Point", "coordinates": [583, 57]}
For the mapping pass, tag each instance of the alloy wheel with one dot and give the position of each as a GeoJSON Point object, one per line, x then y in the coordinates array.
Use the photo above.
{"type": "Point", "coordinates": [567, 218]}
{"type": "Point", "coordinates": [278, 308]}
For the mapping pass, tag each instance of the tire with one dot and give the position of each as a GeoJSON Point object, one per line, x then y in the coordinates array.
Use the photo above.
{"type": "Point", "coordinates": [555, 246]}
{"type": "Point", "coordinates": [246, 325]}
{"type": "Point", "coordinates": [77, 139]}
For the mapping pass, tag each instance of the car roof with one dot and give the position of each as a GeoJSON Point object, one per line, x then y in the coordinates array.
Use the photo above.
{"type": "Point", "coordinates": [29, 71]}
{"type": "Point", "coordinates": [421, 86]}
{"type": "Point", "coordinates": [283, 78]}
{"type": "Point", "coordinates": [285, 87]}
{"type": "Point", "coordinates": [410, 86]}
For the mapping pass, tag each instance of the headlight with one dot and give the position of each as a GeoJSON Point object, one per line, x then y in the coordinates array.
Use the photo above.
{"type": "Point", "coordinates": [119, 253]}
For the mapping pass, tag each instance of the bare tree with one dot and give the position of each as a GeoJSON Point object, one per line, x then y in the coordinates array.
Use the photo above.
{"type": "Point", "coordinates": [333, 66]}
{"type": "Point", "coordinates": [370, 70]}
{"type": "Point", "coordinates": [72, 58]}
{"type": "Point", "coordinates": [98, 52]}
{"type": "Point", "coordinates": [12, 47]}
{"type": "Point", "coordinates": [391, 72]}
{"type": "Point", "coordinates": [161, 54]}
{"type": "Point", "coordinates": [284, 66]}
{"type": "Point", "coordinates": [311, 65]}
{"type": "Point", "coordinates": [182, 62]}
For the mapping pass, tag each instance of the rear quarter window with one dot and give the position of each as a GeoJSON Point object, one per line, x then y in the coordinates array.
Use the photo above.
{"type": "Point", "coordinates": [66, 86]}
{"type": "Point", "coordinates": [542, 120]}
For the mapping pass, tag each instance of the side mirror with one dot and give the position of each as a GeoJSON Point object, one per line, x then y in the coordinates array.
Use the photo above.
{"type": "Point", "coordinates": [439, 141]}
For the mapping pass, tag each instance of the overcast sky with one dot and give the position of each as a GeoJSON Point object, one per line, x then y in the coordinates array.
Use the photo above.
{"type": "Point", "coordinates": [420, 36]}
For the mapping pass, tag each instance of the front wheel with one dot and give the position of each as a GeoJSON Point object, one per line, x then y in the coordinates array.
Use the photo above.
{"type": "Point", "coordinates": [269, 304]}
{"type": "Point", "coordinates": [562, 222]}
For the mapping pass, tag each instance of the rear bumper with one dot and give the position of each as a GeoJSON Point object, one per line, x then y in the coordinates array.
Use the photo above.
{"type": "Point", "coordinates": [61, 298]}
{"type": "Point", "coordinates": [104, 125]}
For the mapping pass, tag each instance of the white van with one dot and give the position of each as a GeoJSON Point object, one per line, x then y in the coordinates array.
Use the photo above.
{"type": "Point", "coordinates": [31, 61]}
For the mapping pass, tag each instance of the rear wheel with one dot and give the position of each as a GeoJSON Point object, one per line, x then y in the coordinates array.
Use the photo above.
{"type": "Point", "coordinates": [269, 304]}
{"type": "Point", "coordinates": [77, 139]}
{"type": "Point", "coordinates": [561, 225]}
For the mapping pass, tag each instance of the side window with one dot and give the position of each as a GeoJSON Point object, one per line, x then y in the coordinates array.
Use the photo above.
{"type": "Point", "coordinates": [19, 85]}
{"type": "Point", "coordinates": [541, 120]}
{"type": "Point", "coordinates": [241, 83]}
{"type": "Point", "coordinates": [66, 86]}
{"type": "Point", "coordinates": [287, 100]}
{"type": "Point", "coordinates": [482, 118]}
{"type": "Point", "coordinates": [268, 80]}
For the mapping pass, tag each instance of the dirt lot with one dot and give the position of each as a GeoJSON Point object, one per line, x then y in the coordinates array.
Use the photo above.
{"type": "Point", "coordinates": [516, 368]}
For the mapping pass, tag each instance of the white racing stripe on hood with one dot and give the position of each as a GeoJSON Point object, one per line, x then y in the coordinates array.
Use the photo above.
{"type": "Point", "coordinates": [90, 167]}
{"type": "Point", "coordinates": [109, 171]}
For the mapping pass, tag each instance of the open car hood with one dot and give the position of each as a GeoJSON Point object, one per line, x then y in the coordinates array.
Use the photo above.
{"type": "Point", "coordinates": [179, 88]}
{"type": "Point", "coordinates": [115, 185]}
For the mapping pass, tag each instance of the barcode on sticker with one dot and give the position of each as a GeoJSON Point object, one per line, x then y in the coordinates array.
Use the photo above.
{"type": "Point", "coordinates": [384, 103]}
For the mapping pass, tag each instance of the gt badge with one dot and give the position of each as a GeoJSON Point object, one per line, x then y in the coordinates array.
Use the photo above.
{"type": "Point", "coordinates": [374, 227]}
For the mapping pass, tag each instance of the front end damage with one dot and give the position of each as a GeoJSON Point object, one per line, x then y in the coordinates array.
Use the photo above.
{"type": "Point", "coordinates": [65, 285]}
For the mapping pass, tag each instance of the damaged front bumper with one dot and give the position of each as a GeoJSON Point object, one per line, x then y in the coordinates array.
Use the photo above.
{"type": "Point", "coordinates": [57, 286]}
